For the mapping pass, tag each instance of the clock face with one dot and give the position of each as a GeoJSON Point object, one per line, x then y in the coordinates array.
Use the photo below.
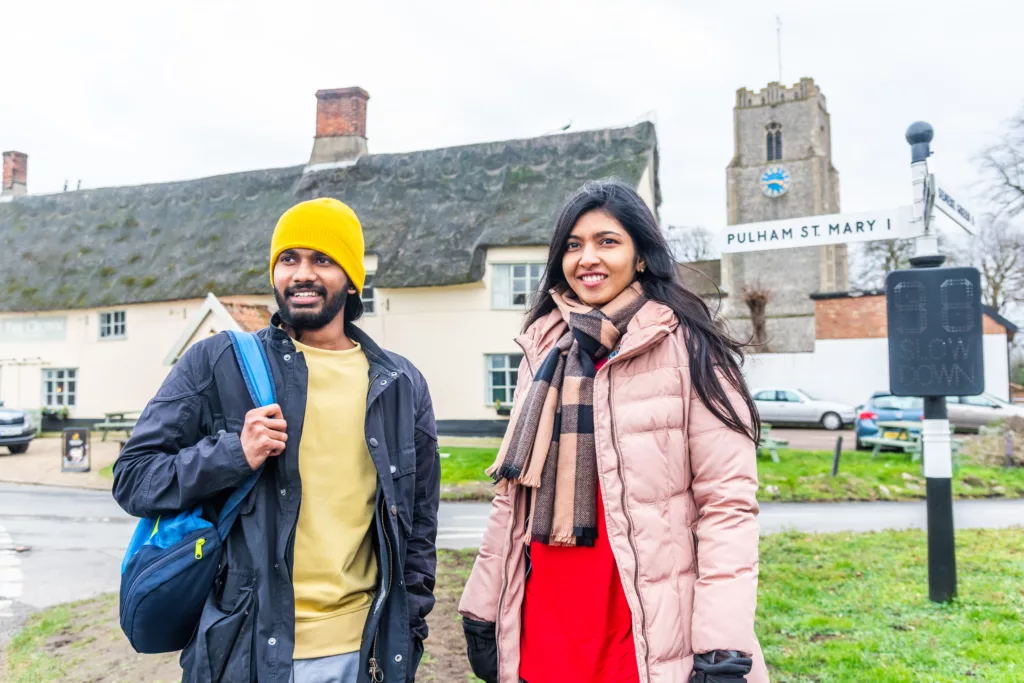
{"type": "Point", "coordinates": [775, 182]}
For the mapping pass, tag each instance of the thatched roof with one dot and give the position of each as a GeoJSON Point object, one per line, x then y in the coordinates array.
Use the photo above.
{"type": "Point", "coordinates": [429, 216]}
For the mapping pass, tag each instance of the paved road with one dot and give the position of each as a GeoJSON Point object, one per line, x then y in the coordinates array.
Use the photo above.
{"type": "Point", "coordinates": [75, 539]}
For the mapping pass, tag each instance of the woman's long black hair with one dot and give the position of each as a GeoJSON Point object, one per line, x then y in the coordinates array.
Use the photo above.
{"type": "Point", "coordinates": [710, 348]}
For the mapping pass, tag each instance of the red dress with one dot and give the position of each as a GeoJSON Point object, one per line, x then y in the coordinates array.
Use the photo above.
{"type": "Point", "coordinates": [577, 626]}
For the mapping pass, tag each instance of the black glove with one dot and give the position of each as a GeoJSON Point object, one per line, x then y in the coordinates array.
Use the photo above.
{"type": "Point", "coordinates": [482, 649]}
{"type": "Point", "coordinates": [721, 666]}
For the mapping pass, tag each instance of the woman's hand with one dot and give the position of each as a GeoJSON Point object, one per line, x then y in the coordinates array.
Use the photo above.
{"type": "Point", "coordinates": [482, 649]}
{"type": "Point", "coordinates": [720, 666]}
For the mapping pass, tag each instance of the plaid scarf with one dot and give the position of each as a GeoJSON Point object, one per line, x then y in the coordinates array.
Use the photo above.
{"type": "Point", "coordinates": [549, 445]}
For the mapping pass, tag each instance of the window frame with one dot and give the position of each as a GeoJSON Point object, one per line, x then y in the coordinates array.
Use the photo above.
{"type": "Point", "coordinates": [368, 282]}
{"type": "Point", "coordinates": [505, 285]}
{"type": "Point", "coordinates": [111, 324]}
{"type": "Point", "coordinates": [773, 142]}
{"type": "Point", "coordinates": [70, 395]}
{"type": "Point", "coordinates": [512, 363]}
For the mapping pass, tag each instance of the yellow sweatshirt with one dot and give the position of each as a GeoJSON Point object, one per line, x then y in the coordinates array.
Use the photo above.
{"type": "Point", "coordinates": [335, 568]}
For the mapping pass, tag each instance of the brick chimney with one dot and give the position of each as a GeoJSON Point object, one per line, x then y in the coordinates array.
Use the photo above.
{"type": "Point", "coordinates": [340, 128]}
{"type": "Point", "coordinates": [15, 178]}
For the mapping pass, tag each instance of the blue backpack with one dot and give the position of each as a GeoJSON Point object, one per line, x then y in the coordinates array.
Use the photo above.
{"type": "Point", "coordinates": [171, 562]}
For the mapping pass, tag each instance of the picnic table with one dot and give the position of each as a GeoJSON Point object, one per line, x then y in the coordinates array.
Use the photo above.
{"type": "Point", "coordinates": [903, 436]}
{"type": "Point", "coordinates": [770, 444]}
{"type": "Point", "coordinates": [118, 421]}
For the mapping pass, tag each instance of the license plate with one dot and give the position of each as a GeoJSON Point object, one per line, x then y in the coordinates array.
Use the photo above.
{"type": "Point", "coordinates": [901, 436]}
{"type": "Point", "coordinates": [10, 431]}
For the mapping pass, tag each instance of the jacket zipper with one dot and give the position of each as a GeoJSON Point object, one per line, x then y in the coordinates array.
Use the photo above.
{"type": "Point", "coordinates": [508, 544]}
{"type": "Point", "coordinates": [376, 673]}
{"type": "Point", "coordinates": [629, 524]}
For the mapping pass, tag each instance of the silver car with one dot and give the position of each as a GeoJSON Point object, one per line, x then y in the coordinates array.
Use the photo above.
{"type": "Point", "coordinates": [968, 413]}
{"type": "Point", "coordinates": [780, 405]}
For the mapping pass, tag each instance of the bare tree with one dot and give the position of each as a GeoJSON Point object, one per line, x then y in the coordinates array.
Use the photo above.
{"type": "Point", "coordinates": [689, 243]}
{"type": "Point", "coordinates": [999, 255]}
{"type": "Point", "coordinates": [878, 258]}
{"type": "Point", "coordinates": [1003, 166]}
{"type": "Point", "coordinates": [757, 297]}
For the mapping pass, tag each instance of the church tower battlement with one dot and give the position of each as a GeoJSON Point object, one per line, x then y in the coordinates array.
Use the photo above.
{"type": "Point", "coordinates": [776, 93]}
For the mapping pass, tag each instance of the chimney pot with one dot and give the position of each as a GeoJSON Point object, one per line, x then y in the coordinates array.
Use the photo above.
{"type": "Point", "coordinates": [340, 128]}
{"type": "Point", "coordinates": [15, 176]}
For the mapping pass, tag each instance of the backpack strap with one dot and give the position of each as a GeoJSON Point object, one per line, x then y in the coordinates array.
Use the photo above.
{"type": "Point", "coordinates": [252, 360]}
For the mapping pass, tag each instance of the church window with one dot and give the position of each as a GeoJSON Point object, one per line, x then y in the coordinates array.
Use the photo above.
{"type": "Point", "coordinates": [773, 142]}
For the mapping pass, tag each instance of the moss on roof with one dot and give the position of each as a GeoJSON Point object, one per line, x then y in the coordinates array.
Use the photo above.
{"type": "Point", "coordinates": [429, 216]}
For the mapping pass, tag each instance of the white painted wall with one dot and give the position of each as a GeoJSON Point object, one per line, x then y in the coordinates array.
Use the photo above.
{"type": "Point", "coordinates": [113, 374]}
{"type": "Point", "coordinates": [850, 370]}
{"type": "Point", "coordinates": [447, 333]}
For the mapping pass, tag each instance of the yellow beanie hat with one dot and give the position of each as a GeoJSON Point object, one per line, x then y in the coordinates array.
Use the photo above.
{"type": "Point", "coordinates": [325, 225]}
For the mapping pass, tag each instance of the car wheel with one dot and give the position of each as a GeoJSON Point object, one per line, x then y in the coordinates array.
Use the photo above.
{"type": "Point", "coordinates": [831, 421]}
{"type": "Point", "coordinates": [18, 450]}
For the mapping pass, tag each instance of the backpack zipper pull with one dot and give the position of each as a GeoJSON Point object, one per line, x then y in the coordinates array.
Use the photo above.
{"type": "Point", "coordinates": [199, 548]}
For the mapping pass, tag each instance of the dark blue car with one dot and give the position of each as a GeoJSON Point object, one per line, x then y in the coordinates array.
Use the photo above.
{"type": "Point", "coordinates": [884, 407]}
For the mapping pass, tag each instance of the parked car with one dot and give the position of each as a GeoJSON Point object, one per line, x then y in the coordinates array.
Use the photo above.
{"type": "Point", "coordinates": [968, 413]}
{"type": "Point", "coordinates": [16, 430]}
{"type": "Point", "coordinates": [794, 406]}
{"type": "Point", "coordinates": [884, 407]}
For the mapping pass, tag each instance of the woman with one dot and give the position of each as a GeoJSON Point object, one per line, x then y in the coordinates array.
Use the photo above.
{"type": "Point", "coordinates": [622, 542]}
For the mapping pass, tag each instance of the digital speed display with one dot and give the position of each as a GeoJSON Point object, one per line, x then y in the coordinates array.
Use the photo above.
{"type": "Point", "coordinates": [935, 332]}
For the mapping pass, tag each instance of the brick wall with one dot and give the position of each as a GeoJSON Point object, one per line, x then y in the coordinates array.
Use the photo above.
{"type": "Point", "coordinates": [15, 169]}
{"type": "Point", "coordinates": [341, 112]}
{"type": "Point", "coordinates": [864, 317]}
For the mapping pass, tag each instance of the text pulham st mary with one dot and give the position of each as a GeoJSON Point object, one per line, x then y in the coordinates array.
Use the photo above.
{"type": "Point", "coordinates": [808, 231]}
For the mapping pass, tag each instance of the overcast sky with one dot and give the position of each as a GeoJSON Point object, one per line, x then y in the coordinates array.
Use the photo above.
{"type": "Point", "coordinates": [123, 93]}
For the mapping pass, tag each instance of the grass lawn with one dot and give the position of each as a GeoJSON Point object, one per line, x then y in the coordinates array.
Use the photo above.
{"type": "Point", "coordinates": [832, 608]}
{"type": "Point", "coordinates": [802, 476]}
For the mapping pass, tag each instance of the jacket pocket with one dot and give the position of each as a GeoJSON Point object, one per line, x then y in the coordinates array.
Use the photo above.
{"type": "Point", "coordinates": [226, 630]}
{"type": "Point", "coordinates": [482, 649]}
{"type": "Point", "coordinates": [404, 479]}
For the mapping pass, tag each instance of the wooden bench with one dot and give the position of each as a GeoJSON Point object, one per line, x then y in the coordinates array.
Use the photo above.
{"type": "Point", "coordinates": [770, 444]}
{"type": "Point", "coordinates": [121, 421]}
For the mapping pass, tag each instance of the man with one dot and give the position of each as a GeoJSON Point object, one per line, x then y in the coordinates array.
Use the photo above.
{"type": "Point", "coordinates": [328, 574]}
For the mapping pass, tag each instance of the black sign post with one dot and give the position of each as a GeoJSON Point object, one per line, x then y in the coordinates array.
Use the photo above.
{"type": "Point", "coordinates": [935, 350]}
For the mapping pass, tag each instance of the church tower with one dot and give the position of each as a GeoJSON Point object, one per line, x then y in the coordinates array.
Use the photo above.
{"type": "Point", "coordinates": [782, 135]}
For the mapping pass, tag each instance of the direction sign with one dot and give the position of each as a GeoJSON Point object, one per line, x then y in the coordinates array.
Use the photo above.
{"type": "Point", "coordinates": [945, 203]}
{"type": "Point", "coordinates": [812, 231]}
{"type": "Point", "coordinates": [935, 332]}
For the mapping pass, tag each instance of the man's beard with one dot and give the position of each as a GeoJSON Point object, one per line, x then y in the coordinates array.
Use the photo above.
{"type": "Point", "coordinates": [301, 319]}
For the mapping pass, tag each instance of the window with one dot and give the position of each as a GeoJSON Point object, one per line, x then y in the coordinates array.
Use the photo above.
{"type": "Point", "coordinates": [369, 295]}
{"type": "Point", "coordinates": [768, 395]}
{"type": "Point", "coordinates": [60, 387]}
{"type": "Point", "coordinates": [112, 325]}
{"type": "Point", "coordinates": [502, 375]}
{"type": "Point", "coordinates": [978, 401]}
{"type": "Point", "coordinates": [513, 284]}
{"type": "Point", "coordinates": [789, 397]}
{"type": "Point", "coordinates": [773, 142]}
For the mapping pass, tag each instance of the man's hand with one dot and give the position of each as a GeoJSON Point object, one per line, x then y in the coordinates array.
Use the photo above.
{"type": "Point", "coordinates": [264, 434]}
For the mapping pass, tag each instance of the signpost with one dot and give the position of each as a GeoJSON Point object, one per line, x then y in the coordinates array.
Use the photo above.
{"type": "Point", "coordinates": [75, 456]}
{"type": "Point", "coordinates": [945, 203]}
{"type": "Point", "coordinates": [813, 231]}
{"type": "Point", "coordinates": [935, 350]}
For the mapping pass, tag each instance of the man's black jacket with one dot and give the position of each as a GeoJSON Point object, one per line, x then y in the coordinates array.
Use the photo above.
{"type": "Point", "coordinates": [185, 450]}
